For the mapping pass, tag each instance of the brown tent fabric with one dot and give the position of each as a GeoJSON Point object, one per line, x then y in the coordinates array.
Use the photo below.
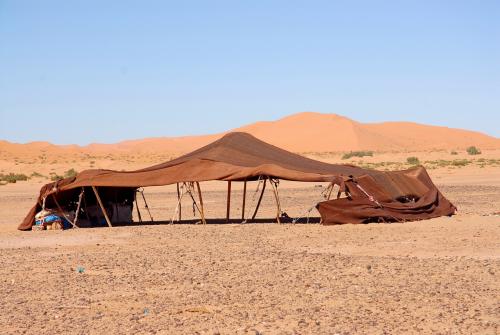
{"type": "Point", "coordinates": [234, 157]}
{"type": "Point", "coordinates": [387, 197]}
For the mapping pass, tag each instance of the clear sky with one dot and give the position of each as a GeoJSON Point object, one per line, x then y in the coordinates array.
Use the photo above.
{"type": "Point", "coordinates": [104, 71]}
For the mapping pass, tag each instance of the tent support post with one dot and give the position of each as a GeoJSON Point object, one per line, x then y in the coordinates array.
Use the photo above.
{"type": "Point", "coordinates": [201, 203]}
{"type": "Point", "coordinates": [178, 206]}
{"type": "Point", "coordinates": [244, 199]}
{"type": "Point", "coordinates": [102, 206]}
{"type": "Point", "coordinates": [146, 205]}
{"type": "Point", "coordinates": [277, 198]}
{"type": "Point", "coordinates": [179, 200]}
{"type": "Point", "coordinates": [228, 209]}
{"type": "Point", "coordinates": [61, 210]}
{"type": "Point", "coordinates": [260, 199]}
{"type": "Point", "coordinates": [190, 190]}
{"type": "Point", "coordinates": [137, 207]}
{"type": "Point", "coordinates": [80, 197]}
{"type": "Point", "coordinates": [330, 191]}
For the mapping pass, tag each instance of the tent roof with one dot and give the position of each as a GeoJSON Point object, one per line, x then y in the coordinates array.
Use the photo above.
{"type": "Point", "coordinates": [236, 156]}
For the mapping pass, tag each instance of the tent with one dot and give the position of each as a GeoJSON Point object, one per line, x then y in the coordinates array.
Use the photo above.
{"type": "Point", "coordinates": [236, 157]}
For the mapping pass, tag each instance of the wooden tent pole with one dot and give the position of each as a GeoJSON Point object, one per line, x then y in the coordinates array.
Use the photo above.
{"type": "Point", "coordinates": [260, 199]}
{"type": "Point", "coordinates": [146, 205]}
{"type": "Point", "coordinates": [190, 190]}
{"type": "Point", "coordinates": [137, 206]}
{"type": "Point", "coordinates": [80, 197]}
{"type": "Point", "coordinates": [179, 201]}
{"type": "Point", "coordinates": [244, 199]}
{"type": "Point", "coordinates": [177, 207]}
{"type": "Point", "coordinates": [201, 203]}
{"type": "Point", "coordinates": [102, 206]}
{"type": "Point", "coordinates": [61, 210]}
{"type": "Point", "coordinates": [228, 209]}
{"type": "Point", "coordinates": [276, 197]}
{"type": "Point", "coordinates": [330, 191]}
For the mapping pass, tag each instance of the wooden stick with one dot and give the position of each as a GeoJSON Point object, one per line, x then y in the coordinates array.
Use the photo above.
{"type": "Point", "coordinates": [228, 209]}
{"type": "Point", "coordinates": [177, 207]}
{"type": "Point", "coordinates": [102, 206]}
{"type": "Point", "coordinates": [244, 199]}
{"type": "Point", "coordinates": [146, 205]}
{"type": "Point", "coordinates": [278, 205]}
{"type": "Point", "coordinates": [330, 191]}
{"type": "Point", "coordinates": [137, 206]}
{"type": "Point", "coordinates": [201, 203]}
{"type": "Point", "coordinates": [260, 199]}
{"type": "Point", "coordinates": [78, 207]}
{"type": "Point", "coordinates": [61, 210]}
{"type": "Point", "coordinates": [190, 191]}
{"type": "Point", "coordinates": [180, 204]}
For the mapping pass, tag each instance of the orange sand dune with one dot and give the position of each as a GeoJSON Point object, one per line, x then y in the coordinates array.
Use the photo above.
{"type": "Point", "coordinates": [302, 132]}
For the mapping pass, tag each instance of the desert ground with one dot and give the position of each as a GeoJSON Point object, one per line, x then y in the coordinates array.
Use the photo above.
{"type": "Point", "coordinates": [439, 276]}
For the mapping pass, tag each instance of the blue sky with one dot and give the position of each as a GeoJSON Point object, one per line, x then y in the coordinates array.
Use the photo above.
{"type": "Point", "coordinates": [105, 71]}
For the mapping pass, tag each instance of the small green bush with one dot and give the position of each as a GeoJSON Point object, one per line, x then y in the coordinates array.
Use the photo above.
{"type": "Point", "coordinates": [460, 162]}
{"type": "Point", "coordinates": [13, 177]}
{"type": "Point", "coordinates": [413, 160]}
{"type": "Point", "coordinates": [55, 177]}
{"type": "Point", "coordinates": [473, 150]}
{"type": "Point", "coordinates": [357, 154]}
{"type": "Point", "coordinates": [70, 173]}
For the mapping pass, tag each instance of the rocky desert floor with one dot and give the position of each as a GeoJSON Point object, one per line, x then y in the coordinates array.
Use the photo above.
{"type": "Point", "coordinates": [439, 276]}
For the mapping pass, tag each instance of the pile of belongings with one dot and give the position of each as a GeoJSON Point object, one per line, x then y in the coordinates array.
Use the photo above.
{"type": "Point", "coordinates": [48, 219]}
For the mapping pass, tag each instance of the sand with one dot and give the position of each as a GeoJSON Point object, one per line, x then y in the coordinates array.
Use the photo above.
{"type": "Point", "coordinates": [438, 276]}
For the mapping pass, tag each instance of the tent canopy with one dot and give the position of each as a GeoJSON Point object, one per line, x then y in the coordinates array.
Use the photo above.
{"type": "Point", "coordinates": [234, 157]}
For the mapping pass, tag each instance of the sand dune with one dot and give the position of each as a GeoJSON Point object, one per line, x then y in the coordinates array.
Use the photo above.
{"type": "Point", "coordinates": [302, 132]}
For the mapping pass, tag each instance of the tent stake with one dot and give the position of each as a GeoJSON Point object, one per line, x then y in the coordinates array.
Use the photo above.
{"type": "Point", "coordinates": [102, 206]}
{"type": "Point", "coordinates": [260, 199]}
{"type": "Point", "coordinates": [276, 197]}
{"type": "Point", "coordinates": [201, 203]}
{"type": "Point", "coordinates": [228, 209]}
{"type": "Point", "coordinates": [179, 200]}
{"type": "Point", "coordinates": [244, 199]}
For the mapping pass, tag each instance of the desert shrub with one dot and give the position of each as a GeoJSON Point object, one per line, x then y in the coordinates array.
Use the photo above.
{"type": "Point", "coordinates": [70, 173]}
{"type": "Point", "coordinates": [55, 177]}
{"type": "Point", "coordinates": [460, 162]}
{"type": "Point", "coordinates": [472, 150]}
{"type": "Point", "coordinates": [37, 174]}
{"type": "Point", "coordinates": [413, 160]}
{"type": "Point", "coordinates": [13, 177]}
{"type": "Point", "coordinates": [454, 152]}
{"type": "Point", "coordinates": [357, 154]}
